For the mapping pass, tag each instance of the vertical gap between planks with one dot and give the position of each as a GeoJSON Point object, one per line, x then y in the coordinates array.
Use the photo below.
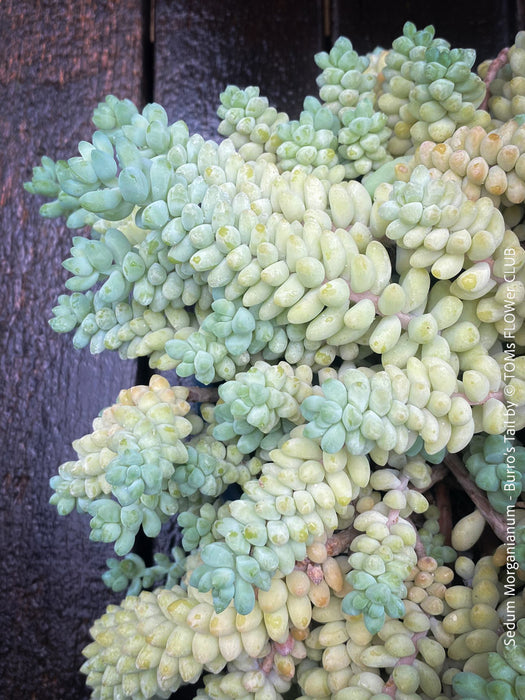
{"type": "Point", "coordinates": [148, 89]}
{"type": "Point", "coordinates": [144, 545]}
{"type": "Point", "coordinates": [327, 25]}
{"type": "Point", "coordinates": [148, 50]}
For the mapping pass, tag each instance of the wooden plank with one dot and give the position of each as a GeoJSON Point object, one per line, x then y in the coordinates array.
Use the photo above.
{"type": "Point", "coordinates": [487, 27]}
{"type": "Point", "coordinates": [200, 47]}
{"type": "Point", "coordinates": [59, 59]}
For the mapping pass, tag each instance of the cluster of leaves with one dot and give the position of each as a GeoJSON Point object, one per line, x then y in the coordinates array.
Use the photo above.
{"type": "Point", "coordinates": [344, 279]}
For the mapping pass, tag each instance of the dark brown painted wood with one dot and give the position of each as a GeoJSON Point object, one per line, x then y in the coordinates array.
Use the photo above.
{"type": "Point", "coordinates": [59, 58]}
{"type": "Point", "coordinates": [201, 47]}
{"type": "Point", "coordinates": [485, 25]}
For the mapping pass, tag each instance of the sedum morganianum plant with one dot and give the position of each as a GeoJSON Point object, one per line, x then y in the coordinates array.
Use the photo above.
{"type": "Point", "coordinates": [351, 287]}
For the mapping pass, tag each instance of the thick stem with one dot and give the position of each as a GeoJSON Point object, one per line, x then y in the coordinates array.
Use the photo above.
{"type": "Point", "coordinates": [203, 394]}
{"type": "Point", "coordinates": [393, 516]}
{"type": "Point", "coordinates": [419, 547]}
{"type": "Point", "coordinates": [267, 663]}
{"type": "Point", "coordinates": [284, 649]}
{"type": "Point", "coordinates": [390, 686]}
{"type": "Point", "coordinates": [495, 520]}
{"type": "Point", "coordinates": [336, 544]}
{"type": "Point", "coordinates": [374, 298]}
{"type": "Point", "coordinates": [340, 541]}
{"type": "Point", "coordinates": [491, 262]}
{"type": "Point", "coordinates": [499, 395]}
{"type": "Point", "coordinates": [314, 573]}
{"type": "Point", "coordinates": [500, 60]}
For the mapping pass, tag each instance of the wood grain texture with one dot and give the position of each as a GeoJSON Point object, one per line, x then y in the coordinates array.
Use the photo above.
{"type": "Point", "coordinates": [59, 59]}
{"type": "Point", "coordinates": [201, 47]}
{"type": "Point", "coordinates": [486, 25]}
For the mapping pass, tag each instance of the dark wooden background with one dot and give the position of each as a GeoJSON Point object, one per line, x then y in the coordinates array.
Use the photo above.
{"type": "Point", "coordinates": [59, 58]}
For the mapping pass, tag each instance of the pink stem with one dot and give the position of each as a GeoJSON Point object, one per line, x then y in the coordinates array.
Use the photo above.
{"type": "Point", "coordinates": [374, 298]}
{"type": "Point", "coordinates": [491, 395]}
{"type": "Point", "coordinates": [267, 663]}
{"type": "Point", "coordinates": [420, 547]}
{"type": "Point", "coordinates": [490, 262]}
{"type": "Point", "coordinates": [315, 573]}
{"type": "Point", "coordinates": [404, 318]}
{"type": "Point", "coordinates": [390, 686]}
{"type": "Point", "coordinates": [394, 514]}
{"type": "Point", "coordinates": [286, 647]}
{"type": "Point", "coordinates": [500, 60]}
{"type": "Point", "coordinates": [335, 544]}
{"type": "Point", "coordinates": [283, 649]}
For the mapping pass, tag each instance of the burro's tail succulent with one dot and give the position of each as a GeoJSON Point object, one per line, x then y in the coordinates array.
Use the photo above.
{"type": "Point", "coordinates": [344, 294]}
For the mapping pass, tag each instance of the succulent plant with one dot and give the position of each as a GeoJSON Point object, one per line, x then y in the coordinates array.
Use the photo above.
{"type": "Point", "coordinates": [362, 342]}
